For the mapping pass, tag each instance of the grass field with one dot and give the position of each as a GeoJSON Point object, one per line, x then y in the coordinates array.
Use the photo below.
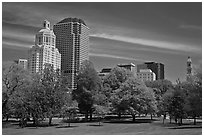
{"type": "Point", "coordinates": [142, 126]}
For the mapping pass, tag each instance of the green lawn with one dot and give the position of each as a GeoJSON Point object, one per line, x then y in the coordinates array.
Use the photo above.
{"type": "Point", "coordinates": [140, 127]}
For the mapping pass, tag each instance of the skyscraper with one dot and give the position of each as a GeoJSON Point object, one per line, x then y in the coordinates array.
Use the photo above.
{"type": "Point", "coordinates": [44, 51]}
{"type": "Point", "coordinates": [189, 68]}
{"type": "Point", "coordinates": [157, 68]}
{"type": "Point", "coordinates": [72, 40]}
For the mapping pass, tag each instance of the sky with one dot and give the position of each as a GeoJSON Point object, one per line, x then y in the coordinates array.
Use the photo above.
{"type": "Point", "coordinates": [120, 32]}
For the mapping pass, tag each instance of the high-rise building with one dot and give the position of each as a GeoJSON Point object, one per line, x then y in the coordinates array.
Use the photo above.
{"type": "Point", "coordinates": [157, 68]}
{"type": "Point", "coordinates": [44, 51]}
{"type": "Point", "coordinates": [146, 75]}
{"type": "Point", "coordinates": [72, 40]}
{"type": "Point", "coordinates": [189, 68]}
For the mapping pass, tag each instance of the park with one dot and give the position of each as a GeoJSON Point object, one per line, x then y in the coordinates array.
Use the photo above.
{"type": "Point", "coordinates": [124, 126]}
{"type": "Point", "coordinates": [117, 104]}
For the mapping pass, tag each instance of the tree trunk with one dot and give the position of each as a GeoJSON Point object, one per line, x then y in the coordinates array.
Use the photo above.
{"type": "Point", "coordinates": [7, 118]}
{"type": "Point", "coordinates": [69, 121]}
{"type": "Point", "coordinates": [119, 115]}
{"type": "Point", "coordinates": [176, 120]}
{"type": "Point", "coordinates": [35, 121]}
{"type": "Point", "coordinates": [90, 115]}
{"type": "Point", "coordinates": [164, 117]}
{"type": "Point", "coordinates": [133, 118]}
{"type": "Point", "coordinates": [194, 122]}
{"type": "Point", "coordinates": [170, 119]}
{"type": "Point", "coordinates": [50, 120]}
{"type": "Point", "coordinates": [151, 116]}
{"type": "Point", "coordinates": [180, 122]}
{"type": "Point", "coordinates": [86, 116]}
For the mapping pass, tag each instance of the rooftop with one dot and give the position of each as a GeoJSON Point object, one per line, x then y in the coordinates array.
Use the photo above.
{"type": "Point", "coordinates": [123, 65]}
{"type": "Point", "coordinates": [105, 70]}
{"type": "Point", "coordinates": [72, 20]}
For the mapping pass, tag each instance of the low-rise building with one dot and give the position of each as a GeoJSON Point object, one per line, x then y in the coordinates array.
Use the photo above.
{"type": "Point", "coordinates": [22, 62]}
{"type": "Point", "coordinates": [130, 66]}
{"type": "Point", "coordinates": [104, 72]}
{"type": "Point", "coordinates": [146, 75]}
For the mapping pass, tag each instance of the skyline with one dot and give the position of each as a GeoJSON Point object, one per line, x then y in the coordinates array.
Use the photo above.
{"type": "Point", "coordinates": [119, 32]}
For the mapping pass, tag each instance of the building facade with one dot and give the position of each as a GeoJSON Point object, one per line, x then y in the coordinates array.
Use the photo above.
{"type": "Point", "coordinates": [22, 62]}
{"type": "Point", "coordinates": [72, 40]}
{"type": "Point", "coordinates": [157, 68]}
{"type": "Point", "coordinates": [146, 75]}
{"type": "Point", "coordinates": [104, 72]}
{"type": "Point", "coordinates": [44, 51]}
{"type": "Point", "coordinates": [130, 66]}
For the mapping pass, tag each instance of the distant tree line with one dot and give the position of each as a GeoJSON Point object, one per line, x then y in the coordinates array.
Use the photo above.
{"type": "Point", "coordinates": [44, 95]}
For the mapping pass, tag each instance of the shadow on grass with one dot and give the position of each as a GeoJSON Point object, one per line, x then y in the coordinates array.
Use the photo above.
{"type": "Point", "coordinates": [95, 125]}
{"type": "Point", "coordinates": [66, 126]}
{"type": "Point", "coordinates": [137, 121]}
{"type": "Point", "coordinates": [185, 127]}
{"type": "Point", "coordinates": [39, 125]}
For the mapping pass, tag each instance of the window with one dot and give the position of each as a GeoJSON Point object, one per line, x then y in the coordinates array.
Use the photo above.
{"type": "Point", "coordinates": [46, 39]}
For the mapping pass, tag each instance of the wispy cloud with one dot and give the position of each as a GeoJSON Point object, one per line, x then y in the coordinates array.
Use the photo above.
{"type": "Point", "coordinates": [150, 43]}
{"type": "Point", "coordinates": [116, 57]}
{"type": "Point", "coordinates": [194, 27]}
{"type": "Point", "coordinates": [14, 44]}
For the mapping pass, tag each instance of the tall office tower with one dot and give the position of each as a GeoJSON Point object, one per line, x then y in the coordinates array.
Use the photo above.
{"type": "Point", "coordinates": [157, 68]}
{"type": "Point", "coordinates": [189, 69]}
{"type": "Point", "coordinates": [44, 51]}
{"type": "Point", "coordinates": [72, 40]}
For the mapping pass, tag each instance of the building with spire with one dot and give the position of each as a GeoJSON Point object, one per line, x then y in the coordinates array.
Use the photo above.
{"type": "Point", "coordinates": [44, 51]}
{"type": "Point", "coordinates": [72, 40]}
{"type": "Point", "coordinates": [189, 69]}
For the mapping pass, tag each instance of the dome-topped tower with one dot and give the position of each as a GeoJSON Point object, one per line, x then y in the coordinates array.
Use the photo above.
{"type": "Point", "coordinates": [46, 24]}
{"type": "Point", "coordinates": [44, 50]}
{"type": "Point", "coordinates": [45, 36]}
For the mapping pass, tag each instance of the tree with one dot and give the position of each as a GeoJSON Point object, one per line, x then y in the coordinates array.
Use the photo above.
{"type": "Point", "coordinates": [55, 91]}
{"type": "Point", "coordinates": [133, 97]}
{"type": "Point", "coordinates": [100, 111]}
{"type": "Point", "coordinates": [116, 77]}
{"type": "Point", "coordinates": [70, 110]}
{"type": "Point", "coordinates": [178, 104]}
{"type": "Point", "coordinates": [160, 87]}
{"type": "Point", "coordinates": [88, 83]}
{"type": "Point", "coordinates": [14, 78]}
{"type": "Point", "coordinates": [152, 103]}
{"type": "Point", "coordinates": [165, 105]}
{"type": "Point", "coordinates": [193, 91]}
{"type": "Point", "coordinates": [111, 86]}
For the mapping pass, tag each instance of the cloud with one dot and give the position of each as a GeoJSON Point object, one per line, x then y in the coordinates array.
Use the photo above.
{"type": "Point", "coordinates": [14, 44]}
{"type": "Point", "coordinates": [192, 27]}
{"type": "Point", "coordinates": [150, 43]}
{"type": "Point", "coordinates": [116, 57]}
